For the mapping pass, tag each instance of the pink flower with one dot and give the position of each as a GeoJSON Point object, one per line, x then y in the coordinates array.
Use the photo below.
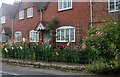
{"type": "Point", "coordinates": [30, 38]}
{"type": "Point", "coordinates": [1, 46]}
{"type": "Point", "coordinates": [14, 41]}
{"type": "Point", "coordinates": [84, 47]}
{"type": "Point", "coordinates": [99, 33]}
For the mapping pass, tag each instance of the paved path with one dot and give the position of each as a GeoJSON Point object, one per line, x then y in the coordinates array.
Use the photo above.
{"type": "Point", "coordinates": [17, 71]}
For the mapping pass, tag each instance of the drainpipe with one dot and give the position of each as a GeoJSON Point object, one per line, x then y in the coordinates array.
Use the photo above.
{"type": "Point", "coordinates": [91, 14]}
{"type": "Point", "coordinates": [12, 29]}
{"type": "Point", "coordinates": [41, 15]}
{"type": "Point", "coordinates": [41, 19]}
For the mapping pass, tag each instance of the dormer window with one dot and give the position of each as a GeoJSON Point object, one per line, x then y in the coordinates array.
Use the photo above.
{"type": "Point", "coordinates": [114, 5]}
{"type": "Point", "coordinates": [21, 15]}
{"type": "Point", "coordinates": [64, 5]}
{"type": "Point", "coordinates": [3, 19]}
{"type": "Point", "coordinates": [30, 12]}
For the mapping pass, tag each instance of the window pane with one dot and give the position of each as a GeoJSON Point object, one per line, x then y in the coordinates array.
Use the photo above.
{"type": "Point", "coordinates": [117, 4]}
{"type": "Point", "coordinates": [72, 34]}
{"type": "Point", "coordinates": [58, 35]}
{"type": "Point", "coordinates": [34, 36]}
{"type": "Point", "coordinates": [67, 34]}
{"type": "Point", "coordinates": [30, 12]}
{"type": "Point", "coordinates": [21, 14]}
{"type": "Point", "coordinates": [2, 19]}
{"type": "Point", "coordinates": [60, 4]}
{"type": "Point", "coordinates": [112, 7]}
{"type": "Point", "coordinates": [18, 36]}
{"type": "Point", "coordinates": [3, 37]}
{"type": "Point", "coordinates": [62, 34]}
{"type": "Point", "coordinates": [69, 3]}
{"type": "Point", "coordinates": [65, 3]}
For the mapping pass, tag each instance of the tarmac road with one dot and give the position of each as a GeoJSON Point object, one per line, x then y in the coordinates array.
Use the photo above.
{"type": "Point", "coordinates": [18, 71]}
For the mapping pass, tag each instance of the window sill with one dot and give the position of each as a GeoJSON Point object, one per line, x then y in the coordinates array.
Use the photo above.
{"type": "Point", "coordinates": [114, 11]}
{"type": "Point", "coordinates": [64, 41]}
{"type": "Point", "coordinates": [60, 10]}
{"type": "Point", "coordinates": [18, 41]}
{"type": "Point", "coordinates": [2, 23]}
{"type": "Point", "coordinates": [29, 17]}
{"type": "Point", "coordinates": [21, 19]}
{"type": "Point", "coordinates": [34, 41]}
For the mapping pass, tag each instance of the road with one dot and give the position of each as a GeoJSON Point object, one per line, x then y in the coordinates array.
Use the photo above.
{"type": "Point", "coordinates": [17, 71]}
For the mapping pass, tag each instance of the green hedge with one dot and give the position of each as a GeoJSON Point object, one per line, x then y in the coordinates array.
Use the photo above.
{"type": "Point", "coordinates": [45, 52]}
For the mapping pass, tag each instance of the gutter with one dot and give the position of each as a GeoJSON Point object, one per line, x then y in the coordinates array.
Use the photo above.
{"type": "Point", "coordinates": [12, 29]}
{"type": "Point", "coordinates": [41, 15]}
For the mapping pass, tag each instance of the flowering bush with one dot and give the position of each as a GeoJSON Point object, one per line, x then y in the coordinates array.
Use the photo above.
{"type": "Point", "coordinates": [105, 40]}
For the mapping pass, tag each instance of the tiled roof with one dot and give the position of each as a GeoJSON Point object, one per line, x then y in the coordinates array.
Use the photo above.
{"type": "Point", "coordinates": [7, 30]}
{"type": "Point", "coordinates": [11, 9]}
{"type": "Point", "coordinates": [40, 5]}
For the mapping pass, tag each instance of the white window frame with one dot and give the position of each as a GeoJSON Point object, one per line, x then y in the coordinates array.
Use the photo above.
{"type": "Point", "coordinates": [21, 14]}
{"type": "Point", "coordinates": [64, 28]}
{"type": "Point", "coordinates": [4, 37]}
{"type": "Point", "coordinates": [20, 35]}
{"type": "Point", "coordinates": [28, 10]}
{"type": "Point", "coordinates": [3, 19]}
{"type": "Point", "coordinates": [36, 38]}
{"type": "Point", "coordinates": [115, 9]}
{"type": "Point", "coordinates": [59, 1]}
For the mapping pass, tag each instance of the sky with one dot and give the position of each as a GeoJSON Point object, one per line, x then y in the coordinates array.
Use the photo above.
{"type": "Point", "coordinates": [7, 1]}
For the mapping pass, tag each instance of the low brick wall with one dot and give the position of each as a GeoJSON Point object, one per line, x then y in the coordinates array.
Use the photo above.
{"type": "Point", "coordinates": [47, 65]}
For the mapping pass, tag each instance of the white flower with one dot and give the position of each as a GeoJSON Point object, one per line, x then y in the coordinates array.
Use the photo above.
{"type": "Point", "coordinates": [12, 47]}
{"type": "Point", "coordinates": [115, 23]}
{"type": "Point", "coordinates": [68, 43]}
{"type": "Point", "coordinates": [6, 49]}
{"type": "Point", "coordinates": [50, 46]}
{"type": "Point", "coordinates": [21, 47]}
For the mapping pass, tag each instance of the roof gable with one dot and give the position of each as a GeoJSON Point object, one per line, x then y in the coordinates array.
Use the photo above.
{"type": "Point", "coordinates": [11, 9]}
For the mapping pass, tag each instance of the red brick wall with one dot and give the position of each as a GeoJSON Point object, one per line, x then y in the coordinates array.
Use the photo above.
{"type": "Point", "coordinates": [26, 24]}
{"type": "Point", "coordinates": [8, 20]}
{"type": "Point", "coordinates": [101, 13]}
{"type": "Point", "coordinates": [78, 15]}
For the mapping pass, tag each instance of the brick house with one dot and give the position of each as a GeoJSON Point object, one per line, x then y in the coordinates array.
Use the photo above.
{"type": "Point", "coordinates": [74, 19]}
{"type": "Point", "coordinates": [26, 21]}
{"type": "Point", "coordinates": [74, 16]}
{"type": "Point", "coordinates": [8, 13]}
{"type": "Point", "coordinates": [106, 10]}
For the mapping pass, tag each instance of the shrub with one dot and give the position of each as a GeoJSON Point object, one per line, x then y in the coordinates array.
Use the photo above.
{"type": "Point", "coordinates": [100, 67]}
{"type": "Point", "coordinates": [105, 40]}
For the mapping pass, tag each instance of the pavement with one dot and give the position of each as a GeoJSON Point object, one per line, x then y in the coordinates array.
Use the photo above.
{"type": "Point", "coordinates": [18, 71]}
